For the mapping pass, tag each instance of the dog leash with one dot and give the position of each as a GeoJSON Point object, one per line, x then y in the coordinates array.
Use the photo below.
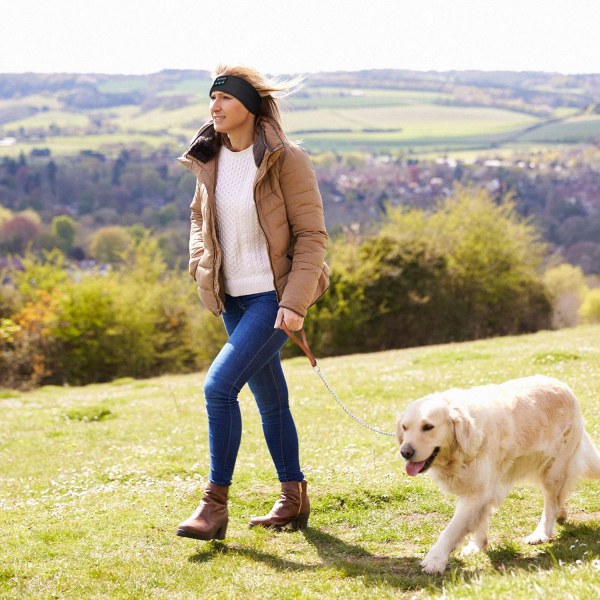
{"type": "Point", "coordinates": [302, 343]}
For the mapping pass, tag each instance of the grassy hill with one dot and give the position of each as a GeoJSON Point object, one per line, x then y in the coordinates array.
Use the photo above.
{"type": "Point", "coordinates": [371, 110]}
{"type": "Point", "coordinates": [94, 481]}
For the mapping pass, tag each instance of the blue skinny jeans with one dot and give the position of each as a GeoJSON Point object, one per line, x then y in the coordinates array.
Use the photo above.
{"type": "Point", "coordinates": [250, 355]}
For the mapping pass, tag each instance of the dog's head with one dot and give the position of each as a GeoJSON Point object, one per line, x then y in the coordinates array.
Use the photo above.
{"type": "Point", "coordinates": [429, 426]}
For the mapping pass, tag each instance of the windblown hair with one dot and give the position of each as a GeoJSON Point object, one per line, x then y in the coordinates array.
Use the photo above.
{"type": "Point", "coordinates": [270, 90]}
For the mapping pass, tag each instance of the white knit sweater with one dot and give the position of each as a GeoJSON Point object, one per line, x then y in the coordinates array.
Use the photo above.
{"type": "Point", "coordinates": [246, 265]}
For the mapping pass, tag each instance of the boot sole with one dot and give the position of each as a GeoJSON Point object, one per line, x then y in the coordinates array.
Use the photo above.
{"type": "Point", "coordinates": [295, 524]}
{"type": "Point", "coordinates": [219, 534]}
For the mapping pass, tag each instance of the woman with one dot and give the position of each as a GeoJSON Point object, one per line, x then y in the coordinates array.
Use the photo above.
{"type": "Point", "coordinates": [257, 246]}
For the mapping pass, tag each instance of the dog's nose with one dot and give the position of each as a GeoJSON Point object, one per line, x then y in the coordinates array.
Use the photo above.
{"type": "Point", "coordinates": [407, 451]}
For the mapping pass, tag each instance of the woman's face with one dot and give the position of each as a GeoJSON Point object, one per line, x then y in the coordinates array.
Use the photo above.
{"type": "Point", "coordinates": [229, 115]}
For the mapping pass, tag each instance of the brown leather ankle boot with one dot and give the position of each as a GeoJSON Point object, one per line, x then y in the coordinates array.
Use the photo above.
{"type": "Point", "coordinates": [292, 508]}
{"type": "Point", "coordinates": [209, 520]}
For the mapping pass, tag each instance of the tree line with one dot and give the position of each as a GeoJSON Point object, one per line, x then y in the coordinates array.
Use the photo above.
{"type": "Point", "coordinates": [556, 189]}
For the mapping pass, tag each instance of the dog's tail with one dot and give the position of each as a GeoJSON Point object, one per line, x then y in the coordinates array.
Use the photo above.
{"type": "Point", "coordinates": [590, 458]}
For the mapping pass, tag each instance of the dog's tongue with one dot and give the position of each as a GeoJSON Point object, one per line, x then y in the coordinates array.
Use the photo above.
{"type": "Point", "coordinates": [414, 468]}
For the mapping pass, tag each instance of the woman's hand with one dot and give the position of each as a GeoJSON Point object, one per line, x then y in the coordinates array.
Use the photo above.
{"type": "Point", "coordinates": [292, 320]}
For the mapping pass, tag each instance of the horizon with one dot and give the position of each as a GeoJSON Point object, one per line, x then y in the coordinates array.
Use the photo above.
{"type": "Point", "coordinates": [279, 37]}
{"type": "Point", "coordinates": [307, 73]}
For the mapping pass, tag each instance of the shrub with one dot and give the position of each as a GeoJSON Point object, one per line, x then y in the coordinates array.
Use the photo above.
{"type": "Point", "coordinates": [567, 288]}
{"type": "Point", "coordinates": [494, 260]}
{"type": "Point", "coordinates": [72, 326]}
{"type": "Point", "coordinates": [138, 321]}
{"type": "Point", "coordinates": [26, 342]}
{"type": "Point", "coordinates": [467, 270]}
{"type": "Point", "coordinates": [590, 309]}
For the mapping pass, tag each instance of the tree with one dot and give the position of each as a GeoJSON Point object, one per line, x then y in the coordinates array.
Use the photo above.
{"type": "Point", "coordinates": [17, 233]}
{"type": "Point", "coordinates": [110, 244]}
{"type": "Point", "coordinates": [494, 261]}
{"type": "Point", "coordinates": [468, 270]}
{"type": "Point", "coordinates": [64, 228]}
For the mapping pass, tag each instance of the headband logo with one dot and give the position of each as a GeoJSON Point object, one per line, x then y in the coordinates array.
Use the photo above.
{"type": "Point", "coordinates": [220, 80]}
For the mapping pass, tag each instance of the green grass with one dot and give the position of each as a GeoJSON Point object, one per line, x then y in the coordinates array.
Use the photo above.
{"type": "Point", "coordinates": [94, 480]}
{"type": "Point", "coordinates": [369, 120]}
{"type": "Point", "coordinates": [414, 121]}
{"type": "Point", "coordinates": [346, 98]}
{"type": "Point", "coordinates": [575, 129]}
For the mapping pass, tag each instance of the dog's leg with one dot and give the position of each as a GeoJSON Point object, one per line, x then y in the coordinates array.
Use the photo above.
{"type": "Point", "coordinates": [479, 538]}
{"type": "Point", "coordinates": [467, 517]}
{"type": "Point", "coordinates": [545, 528]}
{"type": "Point", "coordinates": [556, 487]}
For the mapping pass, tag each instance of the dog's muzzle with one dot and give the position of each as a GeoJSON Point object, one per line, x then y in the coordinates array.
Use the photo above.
{"type": "Point", "coordinates": [415, 468]}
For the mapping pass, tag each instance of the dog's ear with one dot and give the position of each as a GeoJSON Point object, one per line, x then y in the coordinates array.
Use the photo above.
{"type": "Point", "coordinates": [467, 437]}
{"type": "Point", "coordinates": [399, 430]}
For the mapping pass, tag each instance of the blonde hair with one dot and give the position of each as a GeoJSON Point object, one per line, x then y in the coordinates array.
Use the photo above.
{"type": "Point", "coordinates": [272, 91]}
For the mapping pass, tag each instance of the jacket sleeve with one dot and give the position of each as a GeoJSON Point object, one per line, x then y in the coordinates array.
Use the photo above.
{"type": "Point", "coordinates": [306, 219]}
{"type": "Point", "coordinates": [196, 239]}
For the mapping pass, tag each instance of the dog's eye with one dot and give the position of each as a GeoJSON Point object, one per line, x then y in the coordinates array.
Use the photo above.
{"type": "Point", "coordinates": [427, 427]}
{"type": "Point", "coordinates": [403, 427]}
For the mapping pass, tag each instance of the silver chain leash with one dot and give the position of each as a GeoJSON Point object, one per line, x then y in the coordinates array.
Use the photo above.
{"type": "Point", "coordinates": [302, 342]}
{"type": "Point", "coordinates": [317, 370]}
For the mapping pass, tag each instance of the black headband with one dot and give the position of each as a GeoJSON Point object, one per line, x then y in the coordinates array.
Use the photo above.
{"type": "Point", "coordinates": [239, 88]}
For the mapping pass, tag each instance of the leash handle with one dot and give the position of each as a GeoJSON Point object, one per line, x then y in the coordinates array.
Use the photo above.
{"type": "Point", "coordinates": [302, 343]}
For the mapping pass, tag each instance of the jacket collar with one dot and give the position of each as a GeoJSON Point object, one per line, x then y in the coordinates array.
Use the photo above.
{"type": "Point", "coordinates": [206, 143]}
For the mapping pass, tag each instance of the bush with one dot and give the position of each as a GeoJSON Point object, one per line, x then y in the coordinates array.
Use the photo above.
{"type": "Point", "coordinates": [567, 288]}
{"type": "Point", "coordinates": [26, 344]}
{"type": "Point", "coordinates": [468, 270]}
{"type": "Point", "coordinates": [87, 326]}
{"type": "Point", "coordinates": [590, 309]}
{"type": "Point", "coordinates": [494, 260]}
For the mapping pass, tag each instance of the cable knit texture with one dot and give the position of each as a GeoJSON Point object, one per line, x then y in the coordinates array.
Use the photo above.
{"type": "Point", "coordinates": [246, 265]}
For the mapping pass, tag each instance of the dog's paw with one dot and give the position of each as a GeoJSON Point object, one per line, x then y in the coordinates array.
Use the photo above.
{"type": "Point", "coordinates": [537, 537]}
{"type": "Point", "coordinates": [471, 548]}
{"type": "Point", "coordinates": [434, 565]}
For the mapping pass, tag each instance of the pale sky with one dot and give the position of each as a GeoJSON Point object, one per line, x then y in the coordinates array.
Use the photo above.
{"type": "Point", "coordinates": [300, 36]}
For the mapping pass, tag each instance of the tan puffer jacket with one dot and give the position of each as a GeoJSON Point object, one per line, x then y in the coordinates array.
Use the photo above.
{"type": "Point", "coordinates": [290, 212]}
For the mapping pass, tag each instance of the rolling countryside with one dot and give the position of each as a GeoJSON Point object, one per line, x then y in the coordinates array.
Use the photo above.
{"type": "Point", "coordinates": [374, 111]}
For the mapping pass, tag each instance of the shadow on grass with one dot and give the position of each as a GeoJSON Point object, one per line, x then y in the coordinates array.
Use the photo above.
{"type": "Point", "coordinates": [354, 561]}
{"type": "Point", "coordinates": [215, 549]}
{"type": "Point", "coordinates": [349, 560]}
{"type": "Point", "coordinates": [575, 542]}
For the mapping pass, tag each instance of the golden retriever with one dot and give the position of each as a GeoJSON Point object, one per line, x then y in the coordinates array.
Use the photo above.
{"type": "Point", "coordinates": [478, 442]}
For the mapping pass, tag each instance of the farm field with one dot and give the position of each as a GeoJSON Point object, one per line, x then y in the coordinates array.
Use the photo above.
{"type": "Point", "coordinates": [95, 479]}
{"type": "Point", "coordinates": [572, 130]}
{"type": "Point", "coordinates": [168, 111]}
{"type": "Point", "coordinates": [415, 126]}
